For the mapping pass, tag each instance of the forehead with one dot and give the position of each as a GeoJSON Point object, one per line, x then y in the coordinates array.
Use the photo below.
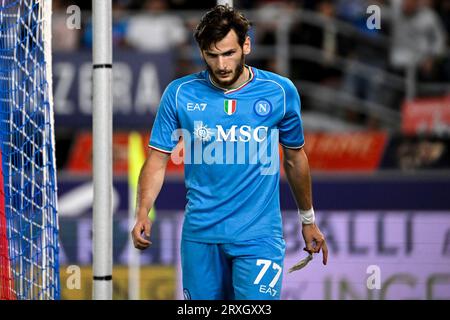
{"type": "Point", "coordinates": [229, 42]}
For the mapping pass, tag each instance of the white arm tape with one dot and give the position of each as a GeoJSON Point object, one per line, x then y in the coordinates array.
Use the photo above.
{"type": "Point", "coordinates": [307, 216]}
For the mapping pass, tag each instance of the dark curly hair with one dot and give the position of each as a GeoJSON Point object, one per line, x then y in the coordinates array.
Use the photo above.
{"type": "Point", "coordinates": [216, 24]}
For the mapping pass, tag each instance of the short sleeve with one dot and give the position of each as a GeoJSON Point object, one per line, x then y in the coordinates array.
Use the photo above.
{"type": "Point", "coordinates": [166, 124]}
{"type": "Point", "coordinates": [290, 127]}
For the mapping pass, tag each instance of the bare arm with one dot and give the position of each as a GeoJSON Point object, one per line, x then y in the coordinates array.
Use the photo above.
{"type": "Point", "coordinates": [296, 166]}
{"type": "Point", "coordinates": [150, 182]}
{"type": "Point", "coordinates": [297, 171]}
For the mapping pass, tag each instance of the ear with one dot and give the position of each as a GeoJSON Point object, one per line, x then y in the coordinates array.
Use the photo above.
{"type": "Point", "coordinates": [247, 47]}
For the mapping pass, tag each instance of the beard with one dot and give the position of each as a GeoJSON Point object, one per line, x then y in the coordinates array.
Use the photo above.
{"type": "Point", "coordinates": [237, 73]}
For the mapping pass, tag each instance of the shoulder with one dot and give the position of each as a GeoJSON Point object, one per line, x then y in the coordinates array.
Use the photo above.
{"type": "Point", "coordinates": [271, 78]}
{"type": "Point", "coordinates": [192, 79]}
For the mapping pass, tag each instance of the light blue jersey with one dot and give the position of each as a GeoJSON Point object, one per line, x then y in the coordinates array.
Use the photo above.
{"type": "Point", "coordinates": [231, 152]}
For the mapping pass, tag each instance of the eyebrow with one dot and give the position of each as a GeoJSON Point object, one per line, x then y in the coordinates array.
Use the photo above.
{"type": "Point", "coordinates": [220, 54]}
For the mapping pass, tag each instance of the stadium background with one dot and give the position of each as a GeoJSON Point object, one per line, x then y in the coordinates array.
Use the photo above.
{"type": "Point", "coordinates": [376, 112]}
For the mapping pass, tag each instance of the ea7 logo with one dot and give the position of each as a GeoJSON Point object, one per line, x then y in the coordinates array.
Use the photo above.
{"type": "Point", "coordinates": [196, 106]}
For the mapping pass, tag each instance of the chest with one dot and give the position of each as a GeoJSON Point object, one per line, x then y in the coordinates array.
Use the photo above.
{"type": "Point", "coordinates": [213, 108]}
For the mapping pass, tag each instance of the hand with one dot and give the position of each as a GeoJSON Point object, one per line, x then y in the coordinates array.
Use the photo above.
{"type": "Point", "coordinates": [315, 240]}
{"type": "Point", "coordinates": [142, 226]}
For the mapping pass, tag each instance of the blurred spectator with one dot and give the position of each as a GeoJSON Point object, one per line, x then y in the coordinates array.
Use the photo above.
{"type": "Point", "coordinates": [155, 30]}
{"type": "Point", "coordinates": [268, 16]}
{"type": "Point", "coordinates": [364, 74]}
{"type": "Point", "coordinates": [188, 63]}
{"type": "Point", "coordinates": [443, 9]}
{"type": "Point", "coordinates": [418, 37]}
{"type": "Point", "coordinates": [322, 36]}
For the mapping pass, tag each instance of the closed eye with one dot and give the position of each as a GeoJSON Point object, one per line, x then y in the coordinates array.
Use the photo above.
{"type": "Point", "coordinates": [225, 54]}
{"type": "Point", "coordinates": [229, 53]}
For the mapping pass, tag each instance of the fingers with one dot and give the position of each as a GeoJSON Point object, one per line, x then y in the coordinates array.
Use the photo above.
{"type": "Point", "coordinates": [325, 253]}
{"type": "Point", "coordinates": [147, 229]}
{"type": "Point", "coordinates": [309, 247]}
{"type": "Point", "coordinates": [319, 245]}
{"type": "Point", "coordinates": [315, 246]}
{"type": "Point", "coordinates": [138, 240]}
{"type": "Point", "coordinates": [315, 241]}
{"type": "Point", "coordinates": [141, 243]}
{"type": "Point", "coordinates": [141, 247]}
{"type": "Point", "coordinates": [323, 247]}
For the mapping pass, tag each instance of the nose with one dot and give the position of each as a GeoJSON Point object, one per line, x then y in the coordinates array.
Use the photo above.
{"type": "Point", "coordinates": [221, 64]}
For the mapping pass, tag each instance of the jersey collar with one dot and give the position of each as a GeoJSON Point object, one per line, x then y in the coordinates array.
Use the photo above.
{"type": "Point", "coordinates": [228, 91]}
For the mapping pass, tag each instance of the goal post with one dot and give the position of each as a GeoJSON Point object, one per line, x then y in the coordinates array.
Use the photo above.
{"type": "Point", "coordinates": [102, 157]}
{"type": "Point", "coordinates": [29, 248]}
